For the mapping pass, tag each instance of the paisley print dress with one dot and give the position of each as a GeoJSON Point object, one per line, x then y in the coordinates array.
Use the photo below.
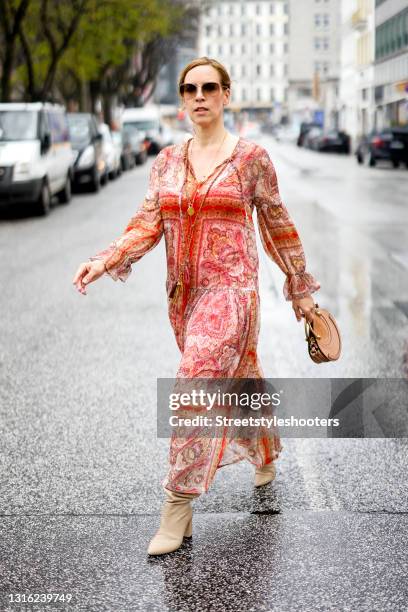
{"type": "Point", "coordinates": [215, 315]}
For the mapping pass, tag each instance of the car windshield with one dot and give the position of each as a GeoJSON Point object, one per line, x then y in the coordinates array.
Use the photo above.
{"type": "Point", "coordinates": [142, 125]}
{"type": "Point", "coordinates": [79, 130]}
{"type": "Point", "coordinates": [18, 125]}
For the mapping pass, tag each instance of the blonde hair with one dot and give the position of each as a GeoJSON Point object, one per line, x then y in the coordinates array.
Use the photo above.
{"type": "Point", "coordinates": [206, 61]}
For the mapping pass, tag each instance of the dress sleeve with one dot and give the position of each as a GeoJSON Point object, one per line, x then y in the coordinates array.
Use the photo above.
{"type": "Point", "coordinates": [142, 233]}
{"type": "Point", "coordinates": [278, 232]}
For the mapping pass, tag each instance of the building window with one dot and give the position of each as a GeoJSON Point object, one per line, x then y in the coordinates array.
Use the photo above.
{"type": "Point", "coordinates": [220, 30]}
{"type": "Point", "coordinates": [258, 28]}
{"type": "Point", "coordinates": [317, 43]}
{"type": "Point", "coordinates": [243, 49]}
{"type": "Point", "coordinates": [285, 69]}
{"type": "Point", "coordinates": [272, 8]}
{"type": "Point", "coordinates": [286, 28]}
{"type": "Point", "coordinates": [231, 9]}
{"type": "Point", "coordinates": [286, 8]}
{"type": "Point", "coordinates": [232, 71]}
{"type": "Point", "coordinates": [392, 35]}
{"type": "Point", "coordinates": [271, 70]}
{"type": "Point", "coordinates": [326, 20]}
{"type": "Point", "coordinates": [272, 94]}
{"type": "Point", "coordinates": [209, 50]}
{"type": "Point", "coordinates": [258, 94]}
{"type": "Point", "coordinates": [317, 20]}
{"type": "Point", "coordinates": [271, 29]}
{"type": "Point", "coordinates": [232, 49]}
{"type": "Point", "coordinates": [231, 29]}
{"type": "Point", "coordinates": [325, 43]}
{"type": "Point", "coordinates": [285, 48]}
{"type": "Point", "coordinates": [243, 29]}
{"type": "Point", "coordinates": [220, 49]}
{"type": "Point", "coordinates": [244, 97]}
{"type": "Point", "coordinates": [257, 9]}
{"type": "Point", "coordinates": [271, 48]}
{"type": "Point", "coordinates": [208, 30]}
{"type": "Point", "coordinates": [243, 70]}
{"type": "Point", "coordinates": [258, 70]}
{"type": "Point", "coordinates": [258, 48]}
{"type": "Point", "coordinates": [242, 9]}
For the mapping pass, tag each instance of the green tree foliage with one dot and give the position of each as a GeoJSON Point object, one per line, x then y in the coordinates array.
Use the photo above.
{"type": "Point", "coordinates": [84, 49]}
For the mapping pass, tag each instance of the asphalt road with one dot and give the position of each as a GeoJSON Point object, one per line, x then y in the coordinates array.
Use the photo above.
{"type": "Point", "coordinates": [80, 462]}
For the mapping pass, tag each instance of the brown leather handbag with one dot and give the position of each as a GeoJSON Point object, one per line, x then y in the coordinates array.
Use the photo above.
{"type": "Point", "coordinates": [323, 336]}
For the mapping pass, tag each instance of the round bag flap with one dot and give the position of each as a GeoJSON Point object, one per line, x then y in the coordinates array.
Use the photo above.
{"type": "Point", "coordinates": [324, 325]}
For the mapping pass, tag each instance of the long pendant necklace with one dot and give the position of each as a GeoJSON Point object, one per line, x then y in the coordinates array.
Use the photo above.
{"type": "Point", "coordinates": [178, 287]}
{"type": "Point", "coordinates": [191, 209]}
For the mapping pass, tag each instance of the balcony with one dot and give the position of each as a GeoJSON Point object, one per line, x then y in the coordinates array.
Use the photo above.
{"type": "Point", "coordinates": [359, 20]}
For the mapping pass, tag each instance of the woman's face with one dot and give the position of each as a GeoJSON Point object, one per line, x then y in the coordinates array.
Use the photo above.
{"type": "Point", "coordinates": [204, 108]}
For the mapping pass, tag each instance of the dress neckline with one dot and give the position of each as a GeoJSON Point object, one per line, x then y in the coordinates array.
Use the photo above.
{"type": "Point", "coordinates": [189, 165]}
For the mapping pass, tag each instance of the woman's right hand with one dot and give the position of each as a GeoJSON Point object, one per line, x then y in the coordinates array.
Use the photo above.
{"type": "Point", "coordinates": [88, 272]}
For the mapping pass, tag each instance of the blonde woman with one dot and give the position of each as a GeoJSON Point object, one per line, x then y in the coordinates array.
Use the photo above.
{"type": "Point", "coordinates": [201, 196]}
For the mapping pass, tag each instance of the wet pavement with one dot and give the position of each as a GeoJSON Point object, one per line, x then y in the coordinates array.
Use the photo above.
{"type": "Point", "coordinates": [81, 465]}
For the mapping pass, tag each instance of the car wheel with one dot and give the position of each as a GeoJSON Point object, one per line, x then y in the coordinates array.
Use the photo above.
{"type": "Point", "coordinates": [44, 200]}
{"type": "Point", "coordinates": [395, 163]}
{"type": "Point", "coordinates": [104, 178]}
{"type": "Point", "coordinates": [359, 158]}
{"type": "Point", "coordinates": [64, 196]}
{"type": "Point", "coordinates": [95, 183]}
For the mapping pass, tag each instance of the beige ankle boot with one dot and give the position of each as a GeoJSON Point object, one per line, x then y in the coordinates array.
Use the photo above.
{"type": "Point", "coordinates": [265, 474]}
{"type": "Point", "coordinates": [176, 522]}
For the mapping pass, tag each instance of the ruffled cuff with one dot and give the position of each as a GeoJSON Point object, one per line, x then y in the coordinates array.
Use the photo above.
{"type": "Point", "coordinates": [117, 272]}
{"type": "Point", "coordinates": [299, 285]}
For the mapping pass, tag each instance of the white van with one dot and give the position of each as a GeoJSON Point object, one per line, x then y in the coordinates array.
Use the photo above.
{"type": "Point", "coordinates": [35, 154]}
{"type": "Point", "coordinates": [147, 120]}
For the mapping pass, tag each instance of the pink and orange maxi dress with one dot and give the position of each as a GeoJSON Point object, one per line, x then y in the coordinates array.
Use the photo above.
{"type": "Point", "coordinates": [216, 323]}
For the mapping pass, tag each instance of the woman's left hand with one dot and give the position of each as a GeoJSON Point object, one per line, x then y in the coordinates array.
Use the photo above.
{"type": "Point", "coordinates": [303, 307]}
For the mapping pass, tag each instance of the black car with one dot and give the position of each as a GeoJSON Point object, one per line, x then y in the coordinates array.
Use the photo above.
{"type": "Point", "coordinates": [305, 127]}
{"type": "Point", "coordinates": [334, 140]}
{"type": "Point", "coordinates": [389, 144]}
{"type": "Point", "coordinates": [89, 165]}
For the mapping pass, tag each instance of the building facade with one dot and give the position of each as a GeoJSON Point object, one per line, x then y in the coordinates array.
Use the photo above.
{"type": "Point", "coordinates": [357, 68]}
{"type": "Point", "coordinates": [314, 50]}
{"type": "Point", "coordinates": [251, 38]}
{"type": "Point", "coordinates": [391, 63]}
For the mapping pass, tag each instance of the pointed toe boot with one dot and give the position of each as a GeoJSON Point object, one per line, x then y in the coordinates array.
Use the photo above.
{"type": "Point", "coordinates": [175, 524]}
{"type": "Point", "coordinates": [265, 474]}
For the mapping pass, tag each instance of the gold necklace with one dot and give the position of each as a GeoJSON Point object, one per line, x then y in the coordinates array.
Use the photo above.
{"type": "Point", "coordinates": [190, 209]}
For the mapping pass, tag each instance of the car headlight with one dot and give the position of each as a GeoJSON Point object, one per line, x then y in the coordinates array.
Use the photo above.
{"type": "Point", "coordinates": [22, 171]}
{"type": "Point", "coordinates": [87, 157]}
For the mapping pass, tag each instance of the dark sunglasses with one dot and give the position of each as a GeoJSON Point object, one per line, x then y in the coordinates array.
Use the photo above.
{"type": "Point", "coordinates": [209, 89]}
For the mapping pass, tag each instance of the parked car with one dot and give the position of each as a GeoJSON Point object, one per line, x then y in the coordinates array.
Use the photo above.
{"type": "Point", "coordinates": [127, 159]}
{"type": "Point", "coordinates": [285, 133]}
{"type": "Point", "coordinates": [35, 154]}
{"type": "Point", "coordinates": [305, 126]}
{"type": "Point", "coordinates": [89, 164]}
{"type": "Point", "coordinates": [334, 140]}
{"type": "Point", "coordinates": [312, 137]}
{"type": "Point", "coordinates": [389, 144]}
{"type": "Point", "coordinates": [147, 119]}
{"type": "Point", "coordinates": [110, 152]}
{"type": "Point", "coordinates": [137, 142]}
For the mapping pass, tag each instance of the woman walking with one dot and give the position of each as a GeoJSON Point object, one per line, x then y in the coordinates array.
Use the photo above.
{"type": "Point", "coordinates": [201, 196]}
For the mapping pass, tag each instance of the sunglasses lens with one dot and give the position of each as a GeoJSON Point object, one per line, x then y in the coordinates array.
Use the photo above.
{"type": "Point", "coordinates": [188, 88]}
{"type": "Point", "coordinates": [210, 88]}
